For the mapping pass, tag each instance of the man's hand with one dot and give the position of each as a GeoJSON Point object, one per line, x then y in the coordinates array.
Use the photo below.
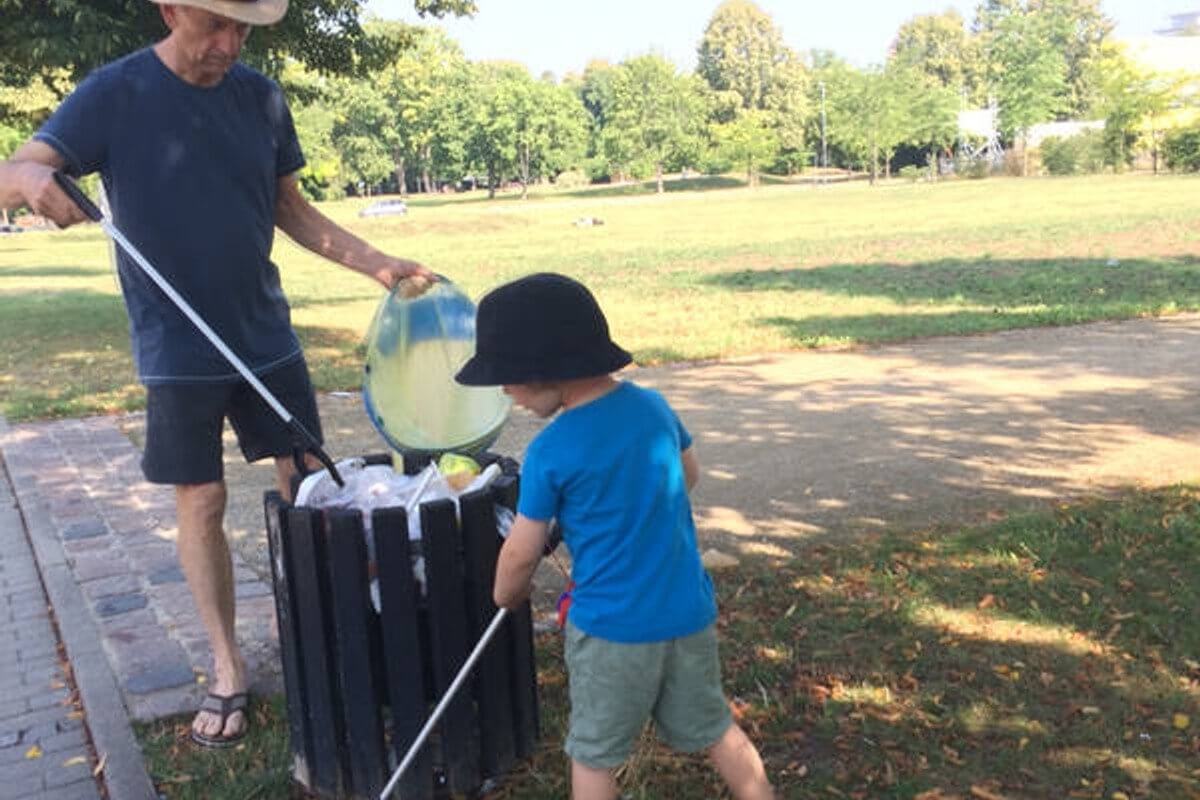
{"type": "Point", "coordinates": [28, 178]}
{"type": "Point", "coordinates": [413, 279]}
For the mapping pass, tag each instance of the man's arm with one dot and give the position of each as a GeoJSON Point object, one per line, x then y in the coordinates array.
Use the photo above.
{"type": "Point", "coordinates": [519, 558]}
{"type": "Point", "coordinates": [311, 229]}
{"type": "Point", "coordinates": [27, 178]}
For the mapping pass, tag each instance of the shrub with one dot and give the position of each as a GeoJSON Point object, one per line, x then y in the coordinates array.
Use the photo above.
{"type": "Point", "coordinates": [912, 173]}
{"type": "Point", "coordinates": [571, 179]}
{"type": "Point", "coordinates": [1181, 149]}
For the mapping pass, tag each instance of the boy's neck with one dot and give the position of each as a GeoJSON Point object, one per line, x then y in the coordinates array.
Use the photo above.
{"type": "Point", "coordinates": [584, 390]}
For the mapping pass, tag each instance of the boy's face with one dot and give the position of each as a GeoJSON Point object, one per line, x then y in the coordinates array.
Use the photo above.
{"type": "Point", "coordinates": [543, 399]}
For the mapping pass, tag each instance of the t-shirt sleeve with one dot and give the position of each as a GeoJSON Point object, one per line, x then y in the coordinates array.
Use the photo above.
{"type": "Point", "coordinates": [685, 438]}
{"type": "Point", "coordinates": [288, 155]}
{"type": "Point", "coordinates": [538, 498]}
{"type": "Point", "coordinates": [77, 129]}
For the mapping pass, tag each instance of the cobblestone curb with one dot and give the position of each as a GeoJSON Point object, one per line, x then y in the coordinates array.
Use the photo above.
{"type": "Point", "coordinates": [124, 772]}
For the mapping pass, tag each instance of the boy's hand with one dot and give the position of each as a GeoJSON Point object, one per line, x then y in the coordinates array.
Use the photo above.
{"type": "Point", "coordinates": [519, 557]}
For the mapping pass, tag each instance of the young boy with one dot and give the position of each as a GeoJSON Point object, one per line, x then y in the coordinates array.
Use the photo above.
{"type": "Point", "coordinates": [614, 468]}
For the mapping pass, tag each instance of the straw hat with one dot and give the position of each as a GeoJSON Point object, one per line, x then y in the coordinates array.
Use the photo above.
{"type": "Point", "coordinates": [254, 12]}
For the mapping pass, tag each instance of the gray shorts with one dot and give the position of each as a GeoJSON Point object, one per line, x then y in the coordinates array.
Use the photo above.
{"type": "Point", "coordinates": [185, 421]}
{"type": "Point", "coordinates": [615, 688]}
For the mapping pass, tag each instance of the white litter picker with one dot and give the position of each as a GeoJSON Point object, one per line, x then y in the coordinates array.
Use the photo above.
{"type": "Point", "coordinates": [304, 441]}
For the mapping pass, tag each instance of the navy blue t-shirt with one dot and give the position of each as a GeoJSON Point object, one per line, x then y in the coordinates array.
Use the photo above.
{"type": "Point", "coordinates": [191, 175]}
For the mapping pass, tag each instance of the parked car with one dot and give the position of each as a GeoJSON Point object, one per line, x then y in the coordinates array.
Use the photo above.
{"type": "Point", "coordinates": [384, 208]}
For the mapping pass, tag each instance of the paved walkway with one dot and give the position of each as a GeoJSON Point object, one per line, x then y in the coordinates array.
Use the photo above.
{"type": "Point", "coordinates": [118, 533]}
{"type": "Point", "coordinates": [44, 746]}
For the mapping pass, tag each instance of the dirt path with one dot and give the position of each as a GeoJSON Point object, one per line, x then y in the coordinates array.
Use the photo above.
{"type": "Point", "coordinates": [944, 431]}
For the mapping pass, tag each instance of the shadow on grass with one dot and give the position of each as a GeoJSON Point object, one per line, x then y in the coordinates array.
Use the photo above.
{"type": "Point", "coordinates": [56, 271]}
{"type": "Point", "coordinates": [1048, 656]}
{"type": "Point", "coordinates": [1044, 656]}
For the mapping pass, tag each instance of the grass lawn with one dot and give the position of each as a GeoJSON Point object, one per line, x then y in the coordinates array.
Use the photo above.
{"type": "Point", "coordinates": [694, 274]}
{"type": "Point", "coordinates": [1044, 656]}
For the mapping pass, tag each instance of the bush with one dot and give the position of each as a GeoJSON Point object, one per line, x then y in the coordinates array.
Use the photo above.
{"type": "Point", "coordinates": [572, 179]}
{"type": "Point", "coordinates": [1072, 155]}
{"type": "Point", "coordinates": [912, 173]}
{"type": "Point", "coordinates": [974, 168]}
{"type": "Point", "coordinates": [1181, 149]}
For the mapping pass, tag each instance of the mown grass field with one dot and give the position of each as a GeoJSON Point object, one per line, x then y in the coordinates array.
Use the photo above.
{"type": "Point", "coordinates": [694, 274]}
{"type": "Point", "coordinates": [1043, 657]}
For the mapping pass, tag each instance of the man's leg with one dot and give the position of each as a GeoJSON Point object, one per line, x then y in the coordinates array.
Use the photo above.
{"type": "Point", "coordinates": [204, 556]}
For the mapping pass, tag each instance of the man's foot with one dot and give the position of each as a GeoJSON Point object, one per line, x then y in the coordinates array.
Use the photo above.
{"type": "Point", "coordinates": [221, 721]}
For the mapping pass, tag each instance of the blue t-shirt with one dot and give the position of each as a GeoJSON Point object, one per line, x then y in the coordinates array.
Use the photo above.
{"type": "Point", "coordinates": [610, 472]}
{"type": "Point", "coordinates": [191, 176]}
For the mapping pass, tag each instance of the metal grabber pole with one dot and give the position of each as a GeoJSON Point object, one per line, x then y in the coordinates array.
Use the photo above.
{"type": "Point", "coordinates": [459, 679]}
{"type": "Point", "coordinates": [298, 430]}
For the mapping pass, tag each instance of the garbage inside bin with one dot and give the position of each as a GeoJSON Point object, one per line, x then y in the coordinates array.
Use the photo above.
{"type": "Point", "coordinates": [371, 486]}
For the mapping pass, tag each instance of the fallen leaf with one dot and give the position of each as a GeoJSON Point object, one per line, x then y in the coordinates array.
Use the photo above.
{"type": "Point", "coordinates": [1181, 722]}
{"type": "Point", "coordinates": [984, 794]}
{"type": "Point", "coordinates": [34, 752]}
{"type": "Point", "coordinates": [70, 762]}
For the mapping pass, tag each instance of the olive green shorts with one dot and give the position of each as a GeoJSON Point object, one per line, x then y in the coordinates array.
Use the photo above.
{"type": "Point", "coordinates": [616, 688]}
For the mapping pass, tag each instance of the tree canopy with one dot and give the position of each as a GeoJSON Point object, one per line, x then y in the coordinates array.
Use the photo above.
{"type": "Point", "coordinates": [40, 38]}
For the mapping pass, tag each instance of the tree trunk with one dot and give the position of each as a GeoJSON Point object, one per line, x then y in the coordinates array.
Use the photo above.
{"type": "Point", "coordinates": [874, 164]}
{"type": "Point", "coordinates": [491, 182]}
{"type": "Point", "coordinates": [401, 183]}
{"type": "Point", "coordinates": [659, 167]}
{"type": "Point", "coordinates": [525, 172]}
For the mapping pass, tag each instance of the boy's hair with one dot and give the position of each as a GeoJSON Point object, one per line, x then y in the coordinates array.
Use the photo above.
{"type": "Point", "coordinates": [543, 327]}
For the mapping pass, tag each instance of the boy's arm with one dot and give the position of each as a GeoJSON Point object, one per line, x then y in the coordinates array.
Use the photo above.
{"type": "Point", "coordinates": [519, 558]}
{"type": "Point", "coordinates": [691, 467]}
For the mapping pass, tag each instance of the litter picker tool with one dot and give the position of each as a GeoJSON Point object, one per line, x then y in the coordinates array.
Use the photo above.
{"type": "Point", "coordinates": [305, 440]}
{"type": "Point", "coordinates": [463, 672]}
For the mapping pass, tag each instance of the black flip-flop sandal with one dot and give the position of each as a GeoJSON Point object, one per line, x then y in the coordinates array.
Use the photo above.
{"type": "Point", "coordinates": [223, 706]}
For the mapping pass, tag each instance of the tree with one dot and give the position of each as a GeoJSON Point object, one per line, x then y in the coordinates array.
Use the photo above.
{"type": "Point", "coordinates": [748, 140]}
{"type": "Point", "coordinates": [423, 87]}
{"type": "Point", "coordinates": [1133, 101]}
{"type": "Point", "coordinates": [364, 132]}
{"type": "Point", "coordinates": [744, 53]}
{"type": "Point", "coordinates": [550, 132]}
{"type": "Point", "coordinates": [1027, 72]}
{"type": "Point", "coordinates": [39, 37]}
{"type": "Point", "coordinates": [941, 47]}
{"type": "Point", "coordinates": [521, 127]}
{"type": "Point", "coordinates": [1073, 31]}
{"type": "Point", "coordinates": [656, 114]}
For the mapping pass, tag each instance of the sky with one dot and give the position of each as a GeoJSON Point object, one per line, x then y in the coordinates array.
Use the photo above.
{"type": "Point", "coordinates": [562, 36]}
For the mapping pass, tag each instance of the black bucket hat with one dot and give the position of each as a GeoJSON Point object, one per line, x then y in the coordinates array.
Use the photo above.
{"type": "Point", "coordinates": [543, 327]}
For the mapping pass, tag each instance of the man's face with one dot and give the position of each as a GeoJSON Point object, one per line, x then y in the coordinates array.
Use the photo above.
{"type": "Point", "coordinates": [543, 399]}
{"type": "Point", "coordinates": [208, 44]}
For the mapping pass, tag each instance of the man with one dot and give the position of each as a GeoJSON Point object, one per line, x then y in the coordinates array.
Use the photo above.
{"type": "Point", "coordinates": [198, 155]}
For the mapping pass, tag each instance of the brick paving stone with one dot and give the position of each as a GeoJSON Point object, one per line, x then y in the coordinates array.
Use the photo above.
{"type": "Point", "coordinates": [86, 529]}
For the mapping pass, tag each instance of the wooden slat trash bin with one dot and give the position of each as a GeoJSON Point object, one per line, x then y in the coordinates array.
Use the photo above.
{"type": "Point", "coordinates": [360, 683]}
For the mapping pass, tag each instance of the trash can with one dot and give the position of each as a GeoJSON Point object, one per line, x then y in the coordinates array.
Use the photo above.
{"type": "Point", "coordinates": [361, 682]}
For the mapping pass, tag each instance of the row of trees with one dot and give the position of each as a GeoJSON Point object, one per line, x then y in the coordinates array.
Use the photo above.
{"type": "Point", "coordinates": [386, 104]}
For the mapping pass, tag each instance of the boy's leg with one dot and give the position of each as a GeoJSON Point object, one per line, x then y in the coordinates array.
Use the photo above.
{"type": "Point", "coordinates": [736, 758]}
{"type": "Point", "coordinates": [589, 783]}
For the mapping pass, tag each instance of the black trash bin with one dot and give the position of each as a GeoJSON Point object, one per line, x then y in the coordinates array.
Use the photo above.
{"type": "Point", "coordinates": [360, 684]}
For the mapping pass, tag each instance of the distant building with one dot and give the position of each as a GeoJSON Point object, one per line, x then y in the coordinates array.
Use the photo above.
{"type": "Point", "coordinates": [1186, 24]}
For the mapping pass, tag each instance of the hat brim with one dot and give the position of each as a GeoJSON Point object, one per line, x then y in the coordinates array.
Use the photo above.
{"type": "Point", "coordinates": [486, 369]}
{"type": "Point", "coordinates": [252, 12]}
